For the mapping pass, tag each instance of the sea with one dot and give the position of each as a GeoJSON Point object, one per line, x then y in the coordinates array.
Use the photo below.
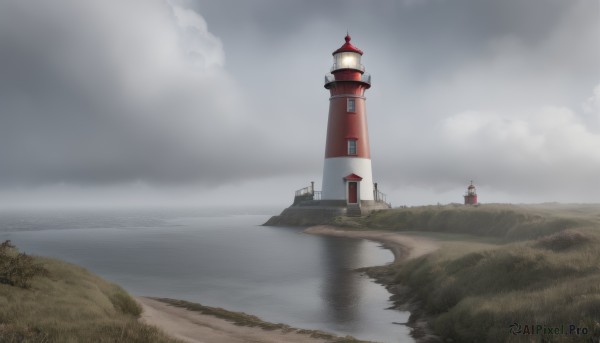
{"type": "Point", "coordinates": [221, 257]}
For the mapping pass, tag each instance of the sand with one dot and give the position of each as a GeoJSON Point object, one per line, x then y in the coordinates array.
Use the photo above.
{"type": "Point", "coordinates": [403, 246]}
{"type": "Point", "coordinates": [190, 326]}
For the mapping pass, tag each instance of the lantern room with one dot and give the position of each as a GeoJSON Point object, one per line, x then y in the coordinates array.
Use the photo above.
{"type": "Point", "coordinates": [347, 57]}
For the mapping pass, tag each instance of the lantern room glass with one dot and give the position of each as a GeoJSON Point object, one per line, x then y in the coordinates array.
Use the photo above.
{"type": "Point", "coordinates": [347, 60]}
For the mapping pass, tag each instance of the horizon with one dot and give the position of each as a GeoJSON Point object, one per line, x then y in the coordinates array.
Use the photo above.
{"type": "Point", "coordinates": [250, 209]}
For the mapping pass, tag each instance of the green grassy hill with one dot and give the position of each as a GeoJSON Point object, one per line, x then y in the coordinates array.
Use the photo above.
{"type": "Point", "coordinates": [499, 265]}
{"type": "Point", "coordinates": [65, 303]}
{"type": "Point", "coordinates": [512, 222]}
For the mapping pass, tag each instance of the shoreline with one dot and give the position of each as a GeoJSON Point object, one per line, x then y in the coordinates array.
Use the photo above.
{"type": "Point", "coordinates": [404, 247]}
{"type": "Point", "coordinates": [195, 323]}
{"type": "Point", "coordinates": [192, 325]}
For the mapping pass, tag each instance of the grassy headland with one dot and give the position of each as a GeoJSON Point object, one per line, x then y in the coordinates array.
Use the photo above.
{"type": "Point", "coordinates": [499, 265]}
{"type": "Point", "coordinates": [61, 302]}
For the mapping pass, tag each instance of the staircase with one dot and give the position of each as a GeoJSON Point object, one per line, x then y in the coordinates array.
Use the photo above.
{"type": "Point", "coordinates": [353, 210]}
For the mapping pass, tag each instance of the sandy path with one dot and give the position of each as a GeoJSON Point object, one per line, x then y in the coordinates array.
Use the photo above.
{"type": "Point", "coordinates": [190, 326]}
{"type": "Point", "coordinates": [403, 246]}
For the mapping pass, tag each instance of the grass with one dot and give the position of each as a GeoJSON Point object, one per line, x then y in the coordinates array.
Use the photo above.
{"type": "Point", "coordinates": [69, 304]}
{"type": "Point", "coordinates": [237, 318]}
{"type": "Point", "coordinates": [542, 267]}
{"type": "Point", "coordinates": [509, 222]}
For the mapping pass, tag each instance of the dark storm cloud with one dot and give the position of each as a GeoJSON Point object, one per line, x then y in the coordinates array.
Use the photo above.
{"type": "Point", "coordinates": [516, 72]}
{"type": "Point", "coordinates": [205, 92]}
{"type": "Point", "coordinates": [101, 93]}
{"type": "Point", "coordinates": [428, 32]}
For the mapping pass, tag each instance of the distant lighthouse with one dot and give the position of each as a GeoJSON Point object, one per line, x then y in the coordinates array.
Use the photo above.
{"type": "Point", "coordinates": [471, 196]}
{"type": "Point", "coordinates": [347, 175]}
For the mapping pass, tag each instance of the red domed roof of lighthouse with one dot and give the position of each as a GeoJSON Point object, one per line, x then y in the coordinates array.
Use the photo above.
{"type": "Point", "coordinates": [348, 47]}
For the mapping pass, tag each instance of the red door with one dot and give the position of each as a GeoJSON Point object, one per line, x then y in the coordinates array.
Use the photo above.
{"type": "Point", "coordinates": [352, 193]}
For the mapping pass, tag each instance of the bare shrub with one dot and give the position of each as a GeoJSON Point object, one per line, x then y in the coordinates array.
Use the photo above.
{"type": "Point", "coordinates": [18, 269]}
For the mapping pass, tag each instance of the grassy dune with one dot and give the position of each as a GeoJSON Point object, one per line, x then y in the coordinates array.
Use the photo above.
{"type": "Point", "coordinates": [510, 222]}
{"type": "Point", "coordinates": [70, 304]}
{"type": "Point", "coordinates": [507, 264]}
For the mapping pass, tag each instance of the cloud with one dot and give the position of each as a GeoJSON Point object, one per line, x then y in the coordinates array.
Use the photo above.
{"type": "Point", "coordinates": [510, 117]}
{"type": "Point", "coordinates": [228, 95]}
{"type": "Point", "coordinates": [538, 153]}
{"type": "Point", "coordinates": [197, 41]}
{"type": "Point", "coordinates": [118, 91]}
{"type": "Point", "coordinates": [591, 108]}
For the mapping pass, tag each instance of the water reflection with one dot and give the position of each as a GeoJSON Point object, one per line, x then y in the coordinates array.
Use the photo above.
{"type": "Point", "coordinates": [340, 293]}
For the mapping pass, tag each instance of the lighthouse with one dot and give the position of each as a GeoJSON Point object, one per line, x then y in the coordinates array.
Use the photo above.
{"type": "Point", "coordinates": [347, 187]}
{"type": "Point", "coordinates": [347, 175]}
{"type": "Point", "coordinates": [471, 196]}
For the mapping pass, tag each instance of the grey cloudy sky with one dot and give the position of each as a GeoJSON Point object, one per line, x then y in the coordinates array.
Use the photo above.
{"type": "Point", "coordinates": [195, 102]}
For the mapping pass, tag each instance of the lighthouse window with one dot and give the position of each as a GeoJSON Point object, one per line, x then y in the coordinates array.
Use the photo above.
{"type": "Point", "coordinates": [351, 105]}
{"type": "Point", "coordinates": [352, 147]}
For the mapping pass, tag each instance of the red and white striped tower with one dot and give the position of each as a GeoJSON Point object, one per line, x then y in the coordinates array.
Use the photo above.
{"type": "Point", "coordinates": [347, 174]}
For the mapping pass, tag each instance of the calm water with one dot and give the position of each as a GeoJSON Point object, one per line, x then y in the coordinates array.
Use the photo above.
{"type": "Point", "coordinates": [221, 259]}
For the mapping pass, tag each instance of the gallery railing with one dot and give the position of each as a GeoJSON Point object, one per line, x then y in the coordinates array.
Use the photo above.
{"type": "Point", "coordinates": [366, 78]}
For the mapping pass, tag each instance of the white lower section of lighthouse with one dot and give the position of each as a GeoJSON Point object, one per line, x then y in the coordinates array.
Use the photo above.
{"type": "Point", "coordinates": [335, 187]}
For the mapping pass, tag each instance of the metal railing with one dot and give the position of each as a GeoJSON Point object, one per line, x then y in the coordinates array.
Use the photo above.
{"type": "Point", "coordinates": [379, 196]}
{"type": "Point", "coordinates": [366, 78]}
{"type": "Point", "coordinates": [306, 194]}
{"type": "Point", "coordinates": [304, 191]}
{"type": "Point", "coordinates": [309, 193]}
{"type": "Point", "coordinates": [317, 195]}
